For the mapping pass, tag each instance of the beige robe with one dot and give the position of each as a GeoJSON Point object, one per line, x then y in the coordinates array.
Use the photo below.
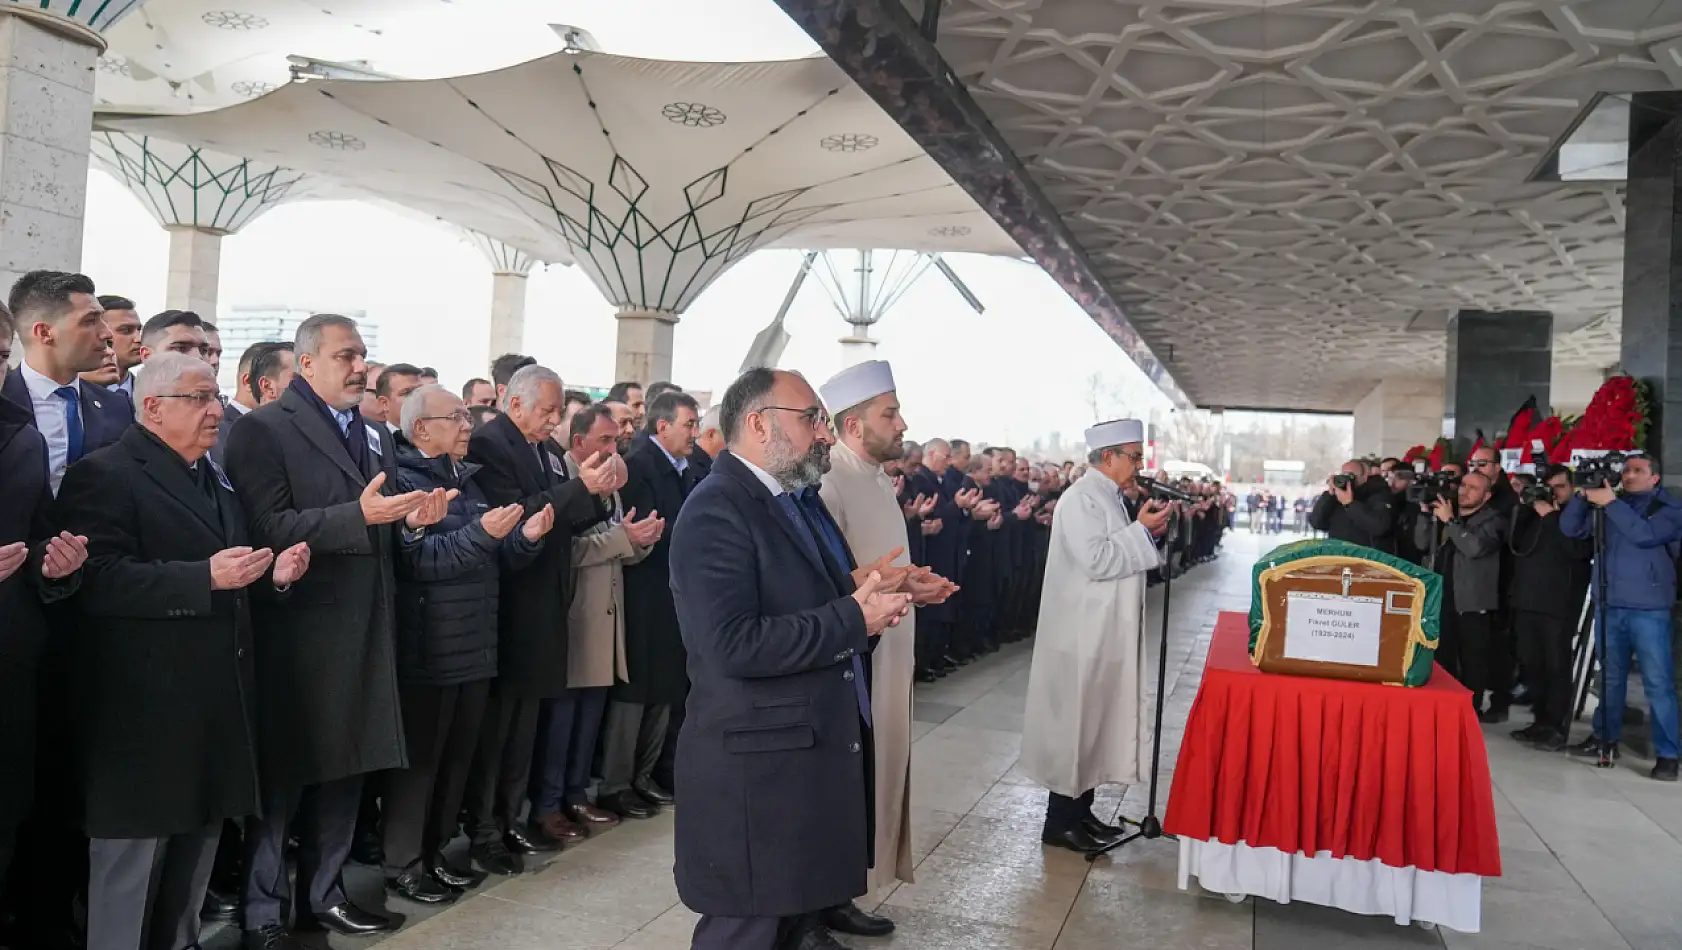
{"type": "Point", "coordinates": [596, 619]}
{"type": "Point", "coordinates": [861, 498]}
{"type": "Point", "coordinates": [1087, 722]}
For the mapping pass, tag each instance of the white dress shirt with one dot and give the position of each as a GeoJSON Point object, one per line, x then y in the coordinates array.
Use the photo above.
{"type": "Point", "coordinates": [677, 463]}
{"type": "Point", "coordinates": [52, 421]}
{"type": "Point", "coordinates": [234, 410]}
{"type": "Point", "coordinates": [764, 476]}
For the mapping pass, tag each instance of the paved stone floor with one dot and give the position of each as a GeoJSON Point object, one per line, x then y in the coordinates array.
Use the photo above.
{"type": "Point", "coordinates": [1593, 859]}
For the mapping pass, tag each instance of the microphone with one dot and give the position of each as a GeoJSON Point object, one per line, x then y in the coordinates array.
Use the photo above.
{"type": "Point", "coordinates": [1158, 490]}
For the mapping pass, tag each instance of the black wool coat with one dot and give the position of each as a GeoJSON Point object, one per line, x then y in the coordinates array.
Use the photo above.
{"type": "Point", "coordinates": [532, 614]}
{"type": "Point", "coordinates": [164, 683]}
{"type": "Point", "coordinates": [654, 657]}
{"type": "Point", "coordinates": [24, 500]}
{"type": "Point", "coordinates": [326, 659]}
{"type": "Point", "coordinates": [773, 758]}
{"type": "Point", "coordinates": [448, 578]}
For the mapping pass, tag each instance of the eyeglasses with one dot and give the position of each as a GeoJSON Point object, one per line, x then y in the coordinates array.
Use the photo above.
{"type": "Point", "coordinates": [1136, 457]}
{"type": "Point", "coordinates": [459, 417]}
{"type": "Point", "coordinates": [199, 400]}
{"type": "Point", "coordinates": [1482, 463]}
{"type": "Point", "coordinates": [815, 416]}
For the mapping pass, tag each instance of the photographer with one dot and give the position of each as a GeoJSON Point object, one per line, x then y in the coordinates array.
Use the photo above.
{"type": "Point", "coordinates": [1463, 543]}
{"type": "Point", "coordinates": [1643, 529]}
{"type": "Point", "coordinates": [1399, 483]}
{"type": "Point", "coordinates": [1355, 509]}
{"type": "Point", "coordinates": [1550, 578]}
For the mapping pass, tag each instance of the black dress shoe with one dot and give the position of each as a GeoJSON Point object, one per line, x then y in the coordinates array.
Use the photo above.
{"type": "Point", "coordinates": [1531, 733]}
{"type": "Point", "coordinates": [1592, 747]}
{"type": "Point", "coordinates": [457, 879]}
{"type": "Point", "coordinates": [627, 804]}
{"type": "Point", "coordinates": [812, 936]}
{"type": "Point", "coordinates": [926, 676]}
{"type": "Point", "coordinates": [496, 858]}
{"type": "Point", "coordinates": [349, 920]}
{"type": "Point", "coordinates": [654, 794]}
{"type": "Point", "coordinates": [1664, 770]}
{"type": "Point", "coordinates": [218, 905]}
{"type": "Point", "coordinates": [1552, 740]}
{"type": "Point", "coordinates": [272, 937]}
{"type": "Point", "coordinates": [850, 918]}
{"type": "Point", "coordinates": [1494, 716]}
{"type": "Point", "coordinates": [1102, 830]}
{"type": "Point", "coordinates": [416, 885]}
{"type": "Point", "coordinates": [368, 849]}
{"type": "Point", "coordinates": [534, 841]}
{"type": "Point", "coordinates": [1078, 840]}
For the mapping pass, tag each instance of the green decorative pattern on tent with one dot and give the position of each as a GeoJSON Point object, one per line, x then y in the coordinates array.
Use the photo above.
{"type": "Point", "coordinates": [192, 187]}
{"type": "Point", "coordinates": [1419, 671]}
{"type": "Point", "coordinates": [96, 15]}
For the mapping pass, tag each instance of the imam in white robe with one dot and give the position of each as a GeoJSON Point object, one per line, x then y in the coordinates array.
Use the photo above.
{"type": "Point", "coordinates": [1087, 721]}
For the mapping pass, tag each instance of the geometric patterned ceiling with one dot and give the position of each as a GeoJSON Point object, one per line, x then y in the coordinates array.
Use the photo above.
{"type": "Point", "coordinates": [1287, 199]}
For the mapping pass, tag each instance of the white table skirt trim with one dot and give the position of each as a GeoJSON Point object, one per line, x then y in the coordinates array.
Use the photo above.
{"type": "Point", "coordinates": [1361, 887]}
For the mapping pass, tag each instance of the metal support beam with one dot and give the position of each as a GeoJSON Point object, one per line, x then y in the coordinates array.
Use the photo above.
{"type": "Point", "coordinates": [881, 47]}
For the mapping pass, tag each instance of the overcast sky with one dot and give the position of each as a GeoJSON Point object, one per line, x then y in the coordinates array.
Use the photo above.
{"type": "Point", "coordinates": [1019, 371]}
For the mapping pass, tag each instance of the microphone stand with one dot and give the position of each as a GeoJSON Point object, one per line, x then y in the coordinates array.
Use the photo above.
{"type": "Point", "coordinates": [1150, 827]}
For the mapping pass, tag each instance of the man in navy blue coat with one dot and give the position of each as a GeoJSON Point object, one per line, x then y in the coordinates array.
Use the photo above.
{"type": "Point", "coordinates": [774, 756]}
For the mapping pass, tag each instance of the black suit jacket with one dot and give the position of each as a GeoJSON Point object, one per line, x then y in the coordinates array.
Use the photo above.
{"type": "Point", "coordinates": [532, 615]}
{"type": "Point", "coordinates": [164, 665]}
{"type": "Point", "coordinates": [326, 658]}
{"type": "Point", "coordinates": [105, 413]}
{"type": "Point", "coordinates": [654, 656]}
{"type": "Point", "coordinates": [773, 758]}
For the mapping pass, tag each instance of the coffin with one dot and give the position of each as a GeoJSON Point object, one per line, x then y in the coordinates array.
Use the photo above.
{"type": "Point", "coordinates": [1343, 611]}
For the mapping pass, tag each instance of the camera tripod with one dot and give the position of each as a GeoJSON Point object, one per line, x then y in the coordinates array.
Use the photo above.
{"type": "Point", "coordinates": [1150, 826]}
{"type": "Point", "coordinates": [1598, 631]}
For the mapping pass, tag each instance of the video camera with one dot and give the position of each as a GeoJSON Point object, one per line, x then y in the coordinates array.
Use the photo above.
{"type": "Point", "coordinates": [1343, 480]}
{"type": "Point", "coordinates": [1531, 494]}
{"type": "Point", "coordinates": [1607, 471]}
{"type": "Point", "coordinates": [1430, 486]}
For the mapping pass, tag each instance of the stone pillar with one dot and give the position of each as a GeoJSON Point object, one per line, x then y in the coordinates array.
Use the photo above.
{"type": "Point", "coordinates": [857, 347]}
{"type": "Point", "coordinates": [644, 352]}
{"type": "Point", "coordinates": [508, 313]}
{"type": "Point", "coordinates": [1496, 360]}
{"type": "Point", "coordinates": [46, 112]}
{"type": "Point", "coordinates": [195, 271]}
{"type": "Point", "coordinates": [1397, 415]}
{"type": "Point", "coordinates": [1652, 314]}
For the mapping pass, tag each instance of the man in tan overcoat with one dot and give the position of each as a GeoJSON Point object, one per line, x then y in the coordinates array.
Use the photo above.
{"type": "Point", "coordinates": [595, 643]}
{"type": "Point", "coordinates": [860, 497]}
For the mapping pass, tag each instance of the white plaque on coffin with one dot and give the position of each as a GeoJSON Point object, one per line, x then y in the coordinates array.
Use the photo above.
{"type": "Point", "coordinates": [1331, 629]}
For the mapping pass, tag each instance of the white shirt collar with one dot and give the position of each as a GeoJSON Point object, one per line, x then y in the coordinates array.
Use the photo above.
{"type": "Point", "coordinates": [764, 476]}
{"type": "Point", "coordinates": [677, 463]}
{"type": "Point", "coordinates": [40, 387]}
{"type": "Point", "coordinates": [234, 408]}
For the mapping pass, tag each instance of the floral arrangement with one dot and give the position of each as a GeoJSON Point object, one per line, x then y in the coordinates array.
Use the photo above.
{"type": "Point", "coordinates": [1617, 417]}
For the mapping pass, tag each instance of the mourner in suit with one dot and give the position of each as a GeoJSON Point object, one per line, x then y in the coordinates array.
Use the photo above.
{"type": "Point", "coordinates": [519, 464]}
{"type": "Point", "coordinates": [570, 726]}
{"type": "Point", "coordinates": [775, 754]}
{"type": "Point", "coordinates": [266, 370]}
{"type": "Point", "coordinates": [307, 468]}
{"type": "Point", "coordinates": [447, 599]}
{"type": "Point", "coordinates": [165, 690]}
{"type": "Point", "coordinates": [659, 479]}
{"type": "Point", "coordinates": [64, 333]}
{"type": "Point", "coordinates": [35, 566]}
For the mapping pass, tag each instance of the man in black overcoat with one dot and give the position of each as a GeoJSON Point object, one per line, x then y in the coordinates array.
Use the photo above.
{"type": "Point", "coordinates": [659, 476]}
{"type": "Point", "coordinates": [307, 468]}
{"type": "Point", "coordinates": [164, 686]}
{"type": "Point", "coordinates": [774, 757]}
{"type": "Point", "coordinates": [35, 567]}
{"type": "Point", "coordinates": [518, 463]}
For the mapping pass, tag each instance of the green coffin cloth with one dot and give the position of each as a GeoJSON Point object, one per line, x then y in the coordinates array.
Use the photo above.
{"type": "Point", "coordinates": [1419, 672]}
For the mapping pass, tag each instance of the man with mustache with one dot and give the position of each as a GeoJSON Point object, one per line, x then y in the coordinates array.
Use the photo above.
{"type": "Point", "coordinates": [309, 469]}
{"type": "Point", "coordinates": [775, 754]}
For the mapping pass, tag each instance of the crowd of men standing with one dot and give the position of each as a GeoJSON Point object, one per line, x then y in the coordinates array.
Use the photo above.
{"type": "Point", "coordinates": [347, 613]}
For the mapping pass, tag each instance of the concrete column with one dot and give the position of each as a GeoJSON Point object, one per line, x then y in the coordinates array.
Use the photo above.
{"type": "Point", "coordinates": [46, 112]}
{"type": "Point", "coordinates": [857, 347]}
{"type": "Point", "coordinates": [1397, 415]}
{"type": "Point", "coordinates": [1652, 313]}
{"type": "Point", "coordinates": [1496, 360]}
{"type": "Point", "coordinates": [508, 313]}
{"type": "Point", "coordinates": [195, 271]}
{"type": "Point", "coordinates": [645, 345]}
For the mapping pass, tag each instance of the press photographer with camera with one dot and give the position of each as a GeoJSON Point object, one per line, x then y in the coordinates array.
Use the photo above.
{"type": "Point", "coordinates": [1356, 509]}
{"type": "Point", "coordinates": [1400, 482]}
{"type": "Point", "coordinates": [1643, 531]}
{"type": "Point", "coordinates": [1463, 538]}
{"type": "Point", "coordinates": [1549, 581]}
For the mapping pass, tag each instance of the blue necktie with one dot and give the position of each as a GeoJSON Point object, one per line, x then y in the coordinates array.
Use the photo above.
{"type": "Point", "coordinates": [808, 527]}
{"type": "Point", "coordinates": [72, 420]}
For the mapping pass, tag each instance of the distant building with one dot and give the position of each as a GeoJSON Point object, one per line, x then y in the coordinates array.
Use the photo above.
{"type": "Point", "coordinates": [246, 324]}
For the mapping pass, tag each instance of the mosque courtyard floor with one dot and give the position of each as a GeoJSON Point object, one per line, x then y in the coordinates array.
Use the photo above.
{"type": "Point", "coordinates": [1592, 859]}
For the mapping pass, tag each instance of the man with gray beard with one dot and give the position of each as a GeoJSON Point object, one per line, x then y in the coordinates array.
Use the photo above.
{"type": "Point", "coordinates": [775, 755]}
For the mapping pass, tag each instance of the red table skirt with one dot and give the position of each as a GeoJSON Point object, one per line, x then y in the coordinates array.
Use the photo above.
{"type": "Point", "coordinates": [1355, 769]}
